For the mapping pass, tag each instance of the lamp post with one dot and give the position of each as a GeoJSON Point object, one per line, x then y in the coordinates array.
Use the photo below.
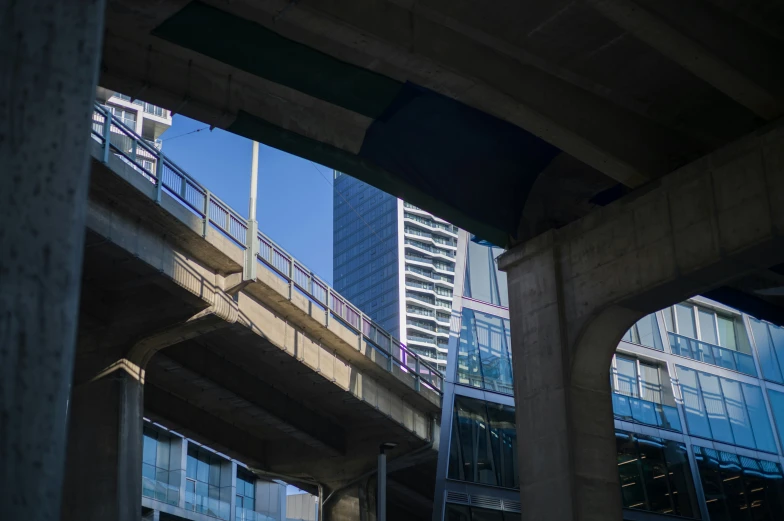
{"type": "Point", "coordinates": [381, 495]}
{"type": "Point", "coordinates": [252, 237]}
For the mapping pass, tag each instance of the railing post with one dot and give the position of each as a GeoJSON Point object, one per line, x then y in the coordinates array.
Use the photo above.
{"type": "Point", "coordinates": [206, 220]}
{"type": "Point", "coordinates": [107, 130]}
{"type": "Point", "coordinates": [133, 150]}
{"type": "Point", "coordinates": [327, 292]}
{"type": "Point", "coordinates": [418, 381]}
{"type": "Point", "coordinates": [291, 277]}
{"type": "Point", "coordinates": [183, 188]}
{"type": "Point", "coordinates": [159, 177]}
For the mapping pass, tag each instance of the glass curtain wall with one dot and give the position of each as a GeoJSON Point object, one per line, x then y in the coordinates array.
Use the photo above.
{"type": "Point", "coordinates": [769, 340]}
{"type": "Point", "coordinates": [158, 481]}
{"type": "Point", "coordinates": [739, 488]}
{"type": "Point", "coordinates": [365, 250]}
{"type": "Point", "coordinates": [484, 443]}
{"type": "Point", "coordinates": [638, 394]}
{"type": "Point", "coordinates": [702, 334]}
{"type": "Point", "coordinates": [725, 410]}
{"type": "Point", "coordinates": [645, 333]}
{"type": "Point", "coordinates": [204, 492]}
{"type": "Point", "coordinates": [655, 475]}
{"type": "Point", "coordinates": [484, 358]}
{"type": "Point", "coordinates": [776, 400]}
{"type": "Point", "coordinates": [483, 280]}
{"type": "Point", "coordinates": [245, 500]}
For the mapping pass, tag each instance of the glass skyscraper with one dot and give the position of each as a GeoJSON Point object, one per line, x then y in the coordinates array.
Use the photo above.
{"type": "Point", "coordinates": [396, 263]}
{"type": "Point", "coordinates": [698, 391]}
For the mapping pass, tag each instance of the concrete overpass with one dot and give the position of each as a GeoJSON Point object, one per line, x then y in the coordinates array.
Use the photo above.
{"type": "Point", "coordinates": [278, 371]}
{"type": "Point", "coordinates": [651, 109]}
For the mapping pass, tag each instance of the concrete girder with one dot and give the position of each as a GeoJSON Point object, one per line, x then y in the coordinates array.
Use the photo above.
{"type": "Point", "coordinates": [693, 55]}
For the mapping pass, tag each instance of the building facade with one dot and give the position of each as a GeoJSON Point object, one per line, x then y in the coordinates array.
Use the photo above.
{"type": "Point", "coordinates": [147, 120]}
{"type": "Point", "coordinates": [698, 398]}
{"type": "Point", "coordinates": [185, 480]}
{"type": "Point", "coordinates": [395, 262]}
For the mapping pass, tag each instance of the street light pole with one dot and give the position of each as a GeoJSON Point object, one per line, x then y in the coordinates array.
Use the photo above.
{"type": "Point", "coordinates": [381, 494]}
{"type": "Point", "coordinates": [252, 238]}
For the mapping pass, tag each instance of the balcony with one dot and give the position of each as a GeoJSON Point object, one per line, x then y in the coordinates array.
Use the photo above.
{"type": "Point", "coordinates": [712, 354]}
{"type": "Point", "coordinates": [161, 484]}
{"type": "Point", "coordinates": [636, 410]}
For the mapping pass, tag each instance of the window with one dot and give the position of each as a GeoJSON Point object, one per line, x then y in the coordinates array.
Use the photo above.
{"type": "Point", "coordinates": [484, 359]}
{"type": "Point", "coordinates": [739, 488]}
{"type": "Point", "coordinates": [702, 334]}
{"type": "Point", "coordinates": [465, 513]}
{"type": "Point", "coordinates": [157, 481]}
{"type": "Point", "coordinates": [483, 280]}
{"type": "Point", "coordinates": [769, 340]}
{"type": "Point", "coordinates": [484, 443]}
{"type": "Point", "coordinates": [638, 394]}
{"type": "Point", "coordinates": [205, 491]}
{"type": "Point", "coordinates": [776, 399]}
{"type": "Point", "coordinates": [127, 117]}
{"type": "Point", "coordinates": [655, 475]}
{"type": "Point", "coordinates": [245, 501]}
{"type": "Point", "coordinates": [645, 333]}
{"type": "Point", "coordinates": [725, 410]}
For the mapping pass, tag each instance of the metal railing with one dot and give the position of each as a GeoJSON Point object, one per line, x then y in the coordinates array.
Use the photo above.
{"type": "Point", "coordinates": [637, 410]}
{"type": "Point", "coordinates": [167, 176]}
{"type": "Point", "coordinates": [712, 354]}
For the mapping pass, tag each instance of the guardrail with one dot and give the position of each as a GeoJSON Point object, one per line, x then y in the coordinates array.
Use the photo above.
{"type": "Point", "coordinates": [712, 354]}
{"type": "Point", "coordinates": [154, 166]}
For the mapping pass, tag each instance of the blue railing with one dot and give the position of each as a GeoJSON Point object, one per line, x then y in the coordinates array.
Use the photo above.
{"type": "Point", "coordinates": [151, 163]}
{"type": "Point", "coordinates": [712, 354]}
{"type": "Point", "coordinates": [648, 413]}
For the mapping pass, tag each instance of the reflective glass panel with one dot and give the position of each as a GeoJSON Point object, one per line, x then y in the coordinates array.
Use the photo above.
{"type": "Point", "coordinates": [767, 356]}
{"type": "Point", "coordinates": [483, 448]}
{"type": "Point", "coordinates": [627, 376]}
{"type": "Point", "coordinates": [739, 488]}
{"type": "Point", "coordinates": [714, 407]}
{"type": "Point", "coordinates": [484, 356]}
{"type": "Point", "coordinates": [736, 410]}
{"type": "Point", "coordinates": [654, 475]}
{"type": "Point", "coordinates": [777, 404]}
{"type": "Point", "coordinates": [708, 326]}
{"type": "Point", "coordinates": [727, 333]}
{"type": "Point", "coordinates": [758, 415]}
{"type": "Point", "coordinates": [696, 418]}
{"type": "Point", "coordinates": [685, 316]}
{"type": "Point", "coordinates": [483, 280]}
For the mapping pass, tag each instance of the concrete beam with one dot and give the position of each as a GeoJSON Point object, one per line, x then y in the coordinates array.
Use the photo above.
{"type": "Point", "coordinates": [693, 55]}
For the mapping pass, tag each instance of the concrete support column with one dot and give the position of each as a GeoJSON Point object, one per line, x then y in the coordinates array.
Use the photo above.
{"type": "Point", "coordinates": [356, 503]}
{"type": "Point", "coordinates": [103, 478]}
{"type": "Point", "coordinates": [574, 291]}
{"type": "Point", "coordinates": [565, 432]}
{"type": "Point", "coordinates": [49, 55]}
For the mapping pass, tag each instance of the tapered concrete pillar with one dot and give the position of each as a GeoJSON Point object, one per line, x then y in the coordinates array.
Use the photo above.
{"type": "Point", "coordinates": [49, 55]}
{"type": "Point", "coordinates": [574, 291]}
{"type": "Point", "coordinates": [103, 477]}
{"type": "Point", "coordinates": [356, 503]}
{"type": "Point", "coordinates": [564, 419]}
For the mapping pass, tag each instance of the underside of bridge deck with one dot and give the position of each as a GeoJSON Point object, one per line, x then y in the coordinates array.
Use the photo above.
{"type": "Point", "coordinates": [558, 107]}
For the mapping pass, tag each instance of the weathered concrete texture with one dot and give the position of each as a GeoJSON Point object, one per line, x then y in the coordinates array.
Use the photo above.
{"type": "Point", "coordinates": [575, 291]}
{"type": "Point", "coordinates": [49, 53]}
{"type": "Point", "coordinates": [104, 462]}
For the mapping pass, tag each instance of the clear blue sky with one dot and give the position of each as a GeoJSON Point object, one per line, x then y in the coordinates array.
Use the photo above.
{"type": "Point", "coordinates": [294, 205]}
